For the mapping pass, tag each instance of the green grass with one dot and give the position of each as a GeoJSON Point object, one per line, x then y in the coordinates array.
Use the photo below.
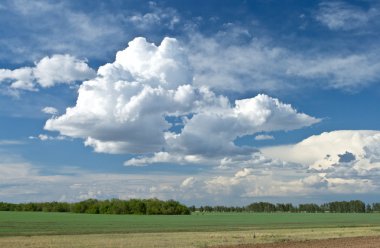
{"type": "Point", "coordinates": [37, 223]}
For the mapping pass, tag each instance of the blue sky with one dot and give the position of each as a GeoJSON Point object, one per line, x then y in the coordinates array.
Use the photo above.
{"type": "Point", "coordinates": [217, 102]}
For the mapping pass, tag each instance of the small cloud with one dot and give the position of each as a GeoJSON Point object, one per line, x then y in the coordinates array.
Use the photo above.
{"type": "Point", "coordinates": [157, 17]}
{"type": "Point", "coordinates": [50, 110]}
{"type": "Point", "coordinates": [45, 137]}
{"type": "Point", "coordinates": [188, 182]}
{"type": "Point", "coordinates": [10, 142]}
{"type": "Point", "coordinates": [264, 137]}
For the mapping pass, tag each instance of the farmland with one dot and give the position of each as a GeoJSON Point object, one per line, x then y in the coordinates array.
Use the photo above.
{"type": "Point", "coordinates": [197, 230]}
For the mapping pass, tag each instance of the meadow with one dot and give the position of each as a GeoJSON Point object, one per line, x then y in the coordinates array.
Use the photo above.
{"type": "Point", "coordinates": [196, 230]}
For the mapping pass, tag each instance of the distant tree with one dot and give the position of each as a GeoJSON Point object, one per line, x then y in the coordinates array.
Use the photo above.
{"type": "Point", "coordinates": [368, 208]}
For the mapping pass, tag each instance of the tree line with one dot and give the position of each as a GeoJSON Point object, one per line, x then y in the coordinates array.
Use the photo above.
{"type": "Point", "coordinates": [113, 206]}
{"type": "Point", "coordinates": [171, 207]}
{"type": "Point", "coordinates": [354, 206]}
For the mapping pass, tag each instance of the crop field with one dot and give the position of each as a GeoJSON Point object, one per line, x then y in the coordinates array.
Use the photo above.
{"type": "Point", "coordinates": [197, 230]}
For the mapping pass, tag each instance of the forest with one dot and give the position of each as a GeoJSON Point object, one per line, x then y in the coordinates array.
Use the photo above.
{"type": "Point", "coordinates": [354, 206]}
{"type": "Point", "coordinates": [158, 207]}
{"type": "Point", "coordinates": [113, 206]}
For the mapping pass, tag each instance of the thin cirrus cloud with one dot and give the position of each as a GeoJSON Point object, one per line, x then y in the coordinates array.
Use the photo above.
{"type": "Point", "coordinates": [344, 16]}
{"type": "Point", "coordinates": [156, 16]}
{"type": "Point", "coordinates": [264, 137]}
{"type": "Point", "coordinates": [65, 30]}
{"type": "Point", "coordinates": [258, 65]}
{"type": "Point", "coordinates": [124, 109]}
{"type": "Point", "coordinates": [47, 72]}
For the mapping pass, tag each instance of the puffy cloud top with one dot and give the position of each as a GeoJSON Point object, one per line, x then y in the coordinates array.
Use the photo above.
{"type": "Point", "coordinates": [341, 154]}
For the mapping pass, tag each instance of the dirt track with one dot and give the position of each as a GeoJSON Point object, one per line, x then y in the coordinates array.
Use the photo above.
{"type": "Point", "coordinates": [357, 242]}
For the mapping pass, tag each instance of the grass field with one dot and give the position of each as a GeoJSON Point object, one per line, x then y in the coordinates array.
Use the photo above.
{"type": "Point", "coordinates": [39, 223]}
{"type": "Point", "coordinates": [176, 231]}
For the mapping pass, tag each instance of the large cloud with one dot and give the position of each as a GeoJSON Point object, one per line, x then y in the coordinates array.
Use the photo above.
{"type": "Point", "coordinates": [342, 158]}
{"type": "Point", "coordinates": [257, 64]}
{"type": "Point", "coordinates": [125, 109]}
{"type": "Point", "coordinates": [47, 72]}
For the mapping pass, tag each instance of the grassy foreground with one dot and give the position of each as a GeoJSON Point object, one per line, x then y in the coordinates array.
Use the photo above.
{"type": "Point", "coordinates": [86, 230]}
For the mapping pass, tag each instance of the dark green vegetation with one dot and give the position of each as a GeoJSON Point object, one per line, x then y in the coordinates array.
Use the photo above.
{"type": "Point", "coordinates": [41, 223]}
{"type": "Point", "coordinates": [171, 207]}
{"type": "Point", "coordinates": [92, 206]}
{"type": "Point", "coordinates": [354, 206]}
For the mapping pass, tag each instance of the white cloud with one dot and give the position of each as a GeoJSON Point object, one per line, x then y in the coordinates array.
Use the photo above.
{"type": "Point", "coordinates": [240, 67]}
{"type": "Point", "coordinates": [343, 16]}
{"type": "Point", "coordinates": [45, 137]}
{"type": "Point", "coordinates": [124, 109]}
{"type": "Point", "coordinates": [21, 78]}
{"type": "Point", "coordinates": [264, 137]}
{"type": "Point", "coordinates": [188, 182]}
{"type": "Point", "coordinates": [61, 69]}
{"type": "Point", "coordinates": [326, 146]}
{"type": "Point", "coordinates": [47, 72]}
{"type": "Point", "coordinates": [340, 159]}
{"type": "Point", "coordinates": [66, 29]}
{"type": "Point", "coordinates": [50, 110]}
{"type": "Point", "coordinates": [10, 142]}
{"type": "Point", "coordinates": [341, 72]}
{"type": "Point", "coordinates": [158, 17]}
{"type": "Point", "coordinates": [258, 65]}
{"type": "Point", "coordinates": [165, 157]}
{"type": "Point", "coordinates": [212, 133]}
{"type": "Point", "coordinates": [246, 181]}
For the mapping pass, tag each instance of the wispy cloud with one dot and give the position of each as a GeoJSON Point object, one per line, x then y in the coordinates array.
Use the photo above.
{"type": "Point", "coordinates": [50, 28]}
{"type": "Point", "coordinates": [261, 66]}
{"type": "Point", "coordinates": [156, 17]}
{"type": "Point", "coordinates": [11, 142]}
{"type": "Point", "coordinates": [264, 137]}
{"type": "Point", "coordinates": [344, 16]}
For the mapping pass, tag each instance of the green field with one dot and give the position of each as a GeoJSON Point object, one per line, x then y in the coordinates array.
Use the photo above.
{"type": "Point", "coordinates": [39, 223]}
{"type": "Point", "coordinates": [61, 230]}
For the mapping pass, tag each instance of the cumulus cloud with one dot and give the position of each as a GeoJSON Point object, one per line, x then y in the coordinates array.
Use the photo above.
{"type": "Point", "coordinates": [212, 133]}
{"type": "Point", "coordinates": [47, 72]}
{"type": "Point", "coordinates": [339, 158]}
{"type": "Point", "coordinates": [125, 109]}
{"type": "Point", "coordinates": [326, 146]}
{"type": "Point", "coordinates": [343, 16]}
{"type": "Point", "coordinates": [21, 78]}
{"type": "Point", "coordinates": [50, 110]}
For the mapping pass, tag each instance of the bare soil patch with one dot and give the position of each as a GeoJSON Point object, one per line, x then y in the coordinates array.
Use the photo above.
{"type": "Point", "coordinates": [357, 242]}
